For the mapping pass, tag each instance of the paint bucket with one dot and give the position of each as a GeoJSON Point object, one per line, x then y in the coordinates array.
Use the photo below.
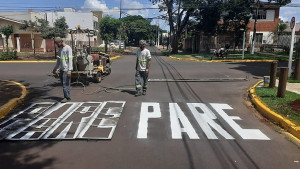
{"type": "Point", "coordinates": [266, 81]}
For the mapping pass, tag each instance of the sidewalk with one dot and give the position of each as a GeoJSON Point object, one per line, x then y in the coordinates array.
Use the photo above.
{"type": "Point", "coordinates": [292, 87]}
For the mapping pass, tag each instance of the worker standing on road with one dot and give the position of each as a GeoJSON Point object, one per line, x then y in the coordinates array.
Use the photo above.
{"type": "Point", "coordinates": [143, 62]}
{"type": "Point", "coordinates": [64, 62]}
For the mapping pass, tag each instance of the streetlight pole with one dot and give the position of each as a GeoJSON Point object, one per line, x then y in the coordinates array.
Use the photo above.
{"type": "Point", "coordinates": [157, 33]}
{"type": "Point", "coordinates": [244, 38]}
{"type": "Point", "coordinates": [120, 38]}
{"type": "Point", "coordinates": [254, 29]}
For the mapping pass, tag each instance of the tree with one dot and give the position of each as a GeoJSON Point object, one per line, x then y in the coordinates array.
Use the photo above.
{"type": "Point", "coordinates": [60, 27]}
{"type": "Point", "coordinates": [178, 15]}
{"type": "Point", "coordinates": [138, 28]}
{"type": "Point", "coordinates": [236, 18]}
{"type": "Point", "coordinates": [109, 29]}
{"type": "Point", "coordinates": [7, 31]}
{"type": "Point", "coordinates": [207, 16]}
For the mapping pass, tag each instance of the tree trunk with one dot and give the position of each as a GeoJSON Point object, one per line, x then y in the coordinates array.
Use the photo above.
{"type": "Point", "coordinates": [174, 44]}
{"type": "Point", "coordinates": [55, 50]}
{"type": "Point", "coordinates": [6, 44]}
{"type": "Point", "coordinates": [105, 47]}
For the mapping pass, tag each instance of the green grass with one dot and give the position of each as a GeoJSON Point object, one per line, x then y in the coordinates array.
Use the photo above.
{"type": "Point", "coordinates": [238, 56]}
{"type": "Point", "coordinates": [280, 105]}
{"type": "Point", "coordinates": [166, 52]}
{"type": "Point", "coordinates": [291, 80]}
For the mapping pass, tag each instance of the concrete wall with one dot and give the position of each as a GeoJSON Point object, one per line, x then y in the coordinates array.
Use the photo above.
{"type": "Point", "coordinates": [267, 37]}
{"type": "Point", "coordinates": [73, 19]}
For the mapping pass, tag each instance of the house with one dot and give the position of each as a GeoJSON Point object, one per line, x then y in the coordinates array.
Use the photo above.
{"type": "Point", "coordinates": [79, 20]}
{"type": "Point", "coordinates": [267, 23]}
{"type": "Point", "coordinates": [23, 41]}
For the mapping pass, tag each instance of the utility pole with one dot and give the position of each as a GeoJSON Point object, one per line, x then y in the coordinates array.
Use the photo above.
{"type": "Point", "coordinates": [157, 33]}
{"type": "Point", "coordinates": [254, 29]}
{"type": "Point", "coordinates": [120, 25]}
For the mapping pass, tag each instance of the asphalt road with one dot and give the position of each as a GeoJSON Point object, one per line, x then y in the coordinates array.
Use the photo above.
{"type": "Point", "coordinates": [176, 125]}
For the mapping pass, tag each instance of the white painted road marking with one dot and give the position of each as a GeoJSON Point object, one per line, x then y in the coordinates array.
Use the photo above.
{"type": "Point", "coordinates": [98, 120]}
{"type": "Point", "coordinates": [71, 120]}
{"type": "Point", "coordinates": [176, 115]}
{"type": "Point", "coordinates": [145, 115]}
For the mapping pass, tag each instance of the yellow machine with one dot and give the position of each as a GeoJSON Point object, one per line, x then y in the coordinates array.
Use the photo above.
{"type": "Point", "coordinates": [87, 65]}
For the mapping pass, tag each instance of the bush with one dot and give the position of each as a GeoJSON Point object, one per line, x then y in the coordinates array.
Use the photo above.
{"type": "Point", "coordinates": [8, 55]}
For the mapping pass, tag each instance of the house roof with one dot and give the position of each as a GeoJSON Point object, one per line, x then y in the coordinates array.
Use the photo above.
{"type": "Point", "coordinates": [11, 20]}
{"type": "Point", "coordinates": [267, 5]}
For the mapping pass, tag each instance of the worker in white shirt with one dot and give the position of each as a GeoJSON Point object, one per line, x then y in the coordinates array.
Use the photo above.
{"type": "Point", "coordinates": [143, 62]}
{"type": "Point", "coordinates": [65, 63]}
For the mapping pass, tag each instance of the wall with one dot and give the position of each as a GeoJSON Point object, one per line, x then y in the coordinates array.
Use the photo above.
{"type": "Point", "coordinates": [73, 19]}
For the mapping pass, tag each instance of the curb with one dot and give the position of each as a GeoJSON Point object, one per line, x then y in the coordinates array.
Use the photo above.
{"type": "Point", "coordinates": [115, 57]}
{"type": "Point", "coordinates": [7, 107]}
{"type": "Point", "coordinates": [216, 61]}
{"type": "Point", "coordinates": [44, 61]}
{"type": "Point", "coordinates": [32, 61]}
{"type": "Point", "coordinates": [272, 115]}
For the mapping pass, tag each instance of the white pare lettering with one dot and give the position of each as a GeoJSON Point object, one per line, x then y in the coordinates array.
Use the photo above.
{"type": "Point", "coordinates": [145, 115]}
{"type": "Point", "coordinates": [206, 121]}
{"type": "Point", "coordinates": [244, 133]}
{"type": "Point", "coordinates": [176, 115]}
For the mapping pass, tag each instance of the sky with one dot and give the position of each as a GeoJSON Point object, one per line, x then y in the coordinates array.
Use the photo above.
{"type": "Point", "coordinates": [111, 7]}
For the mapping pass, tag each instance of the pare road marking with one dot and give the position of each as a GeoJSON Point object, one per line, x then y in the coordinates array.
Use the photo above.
{"type": "Point", "coordinates": [205, 118]}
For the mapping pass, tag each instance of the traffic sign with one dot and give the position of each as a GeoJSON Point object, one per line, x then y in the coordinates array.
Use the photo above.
{"type": "Point", "coordinates": [292, 24]}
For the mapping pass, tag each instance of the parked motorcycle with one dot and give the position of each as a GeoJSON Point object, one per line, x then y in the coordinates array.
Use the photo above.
{"type": "Point", "coordinates": [221, 52]}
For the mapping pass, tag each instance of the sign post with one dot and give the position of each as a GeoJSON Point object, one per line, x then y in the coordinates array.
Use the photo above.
{"type": "Point", "coordinates": [292, 25]}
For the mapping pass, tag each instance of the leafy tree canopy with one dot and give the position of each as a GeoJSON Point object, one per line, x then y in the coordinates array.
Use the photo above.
{"type": "Point", "coordinates": [138, 28]}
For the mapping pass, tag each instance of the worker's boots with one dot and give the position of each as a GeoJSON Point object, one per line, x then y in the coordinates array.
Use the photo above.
{"type": "Point", "coordinates": [138, 93]}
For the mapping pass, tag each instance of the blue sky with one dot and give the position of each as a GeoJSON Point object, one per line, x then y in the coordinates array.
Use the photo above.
{"type": "Point", "coordinates": [111, 7]}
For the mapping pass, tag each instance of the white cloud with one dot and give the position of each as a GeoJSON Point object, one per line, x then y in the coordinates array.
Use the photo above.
{"type": "Point", "coordinates": [286, 13]}
{"type": "Point", "coordinates": [115, 12]}
{"type": "Point", "coordinates": [284, 19]}
{"type": "Point", "coordinates": [128, 4]}
{"type": "Point", "coordinates": [94, 5]}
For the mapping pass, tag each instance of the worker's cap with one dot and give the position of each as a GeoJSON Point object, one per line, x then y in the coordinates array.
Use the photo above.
{"type": "Point", "coordinates": [57, 40]}
{"type": "Point", "coordinates": [142, 42]}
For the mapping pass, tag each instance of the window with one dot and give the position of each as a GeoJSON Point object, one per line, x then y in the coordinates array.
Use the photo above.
{"type": "Point", "coordinates": [262, 14]}
{"type": "Point", "coordinates": [258, 38]}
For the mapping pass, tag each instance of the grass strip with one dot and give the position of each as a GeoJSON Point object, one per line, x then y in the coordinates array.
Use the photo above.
{"type": "Point", "coordinates": [280, 105]}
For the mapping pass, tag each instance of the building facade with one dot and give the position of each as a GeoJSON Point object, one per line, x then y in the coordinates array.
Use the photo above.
{"type": "Point", "coordinates": [26, 40]}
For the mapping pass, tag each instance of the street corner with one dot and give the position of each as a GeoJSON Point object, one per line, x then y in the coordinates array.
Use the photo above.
{"type": "Point", "coordinates": [115, 57]}
{"type": "Point", "coordinates": [12, 94]}
{"type": "Point", "coordinates": [273, 116]}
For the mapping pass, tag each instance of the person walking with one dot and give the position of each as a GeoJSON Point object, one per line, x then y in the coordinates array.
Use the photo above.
{"type": "Point", "coordinates": [143, 62]}
{"type": "Point", "coordinates": [65, 63]}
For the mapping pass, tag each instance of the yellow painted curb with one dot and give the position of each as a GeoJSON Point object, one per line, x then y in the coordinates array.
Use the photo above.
{"type": "Point", "coordinates": [115, 57]}
{"type": "Point", "coordinates": [217, 61]}
{"type": "Point", "coordinates": [42, 61]}
{"type": "Point", "coordinates": [272, 115]}
{"type": "Point", "coordinates": [6, 108]}
{"type": "Point", "coordinates": [32, 61]}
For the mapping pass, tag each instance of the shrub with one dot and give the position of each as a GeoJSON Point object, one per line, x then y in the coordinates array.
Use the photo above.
{"type": "Point", "coordinates": [8, 55]}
